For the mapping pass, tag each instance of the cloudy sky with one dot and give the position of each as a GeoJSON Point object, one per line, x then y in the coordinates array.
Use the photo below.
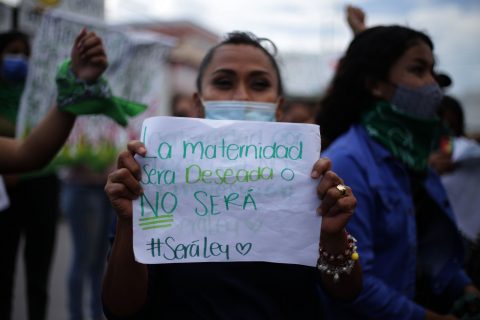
{"type": "Point", "coordinates": [319, 27]}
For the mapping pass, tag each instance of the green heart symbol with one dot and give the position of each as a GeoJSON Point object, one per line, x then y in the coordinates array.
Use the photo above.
{"type": "Point", "coordinates": [243, 248]}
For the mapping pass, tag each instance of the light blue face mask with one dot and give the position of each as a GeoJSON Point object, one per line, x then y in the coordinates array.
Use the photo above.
{"type": "Point", "coordinates": [239, 110]}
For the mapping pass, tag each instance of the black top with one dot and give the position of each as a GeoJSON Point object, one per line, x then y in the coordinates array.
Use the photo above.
{"type": "Point", "coordinates": [235, 290]}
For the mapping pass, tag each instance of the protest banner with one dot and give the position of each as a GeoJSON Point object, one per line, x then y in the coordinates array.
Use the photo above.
{"type": "Point", "coordinates": [137, 71]}
{"type": "Point", "coordinates": [32, 11]}
{"type": "Point", "coordinates": [220, 190]}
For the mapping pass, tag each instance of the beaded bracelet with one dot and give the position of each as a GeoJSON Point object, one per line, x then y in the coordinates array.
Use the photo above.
{"type": "Point", "coordinates": [336, 265]}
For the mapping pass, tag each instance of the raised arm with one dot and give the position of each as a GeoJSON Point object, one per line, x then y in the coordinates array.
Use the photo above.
{"type": "Point", "coordinates": [338, 205]}
{"type": "Point", "coordinates": [88, 63]}
{"type": "Point", "coordinates": [126, 281]}
{"type": "Point", "coordinates": [355, 19]}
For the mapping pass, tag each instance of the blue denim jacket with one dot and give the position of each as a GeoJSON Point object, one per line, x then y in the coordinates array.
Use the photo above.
{"type": "Point", "coordinates": [385, 226]}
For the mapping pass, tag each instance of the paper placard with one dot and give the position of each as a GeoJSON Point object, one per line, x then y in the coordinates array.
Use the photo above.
{"type": "Point", "coordinates": [219, 190]}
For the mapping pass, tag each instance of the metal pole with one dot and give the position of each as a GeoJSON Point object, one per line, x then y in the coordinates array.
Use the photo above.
{"type": "Point", "coordinates": [15, 18]}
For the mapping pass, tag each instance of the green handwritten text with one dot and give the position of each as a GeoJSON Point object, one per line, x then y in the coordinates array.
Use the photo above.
{"type": "Point", "coordinates": [232, 151]}
{"type": "Point", "coordinates": [194, 173]}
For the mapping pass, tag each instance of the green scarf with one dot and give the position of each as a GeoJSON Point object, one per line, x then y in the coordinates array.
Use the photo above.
{"type": "Point", "coordinates": [408, 138]}
{"type": "Point", "coordinates": [78, 97]}
{"type": "Point", "coordinates": [10, 95]}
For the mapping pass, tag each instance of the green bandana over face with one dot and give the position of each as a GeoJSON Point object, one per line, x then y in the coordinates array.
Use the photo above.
{"type": "Point", "coordinates": [409, 139]}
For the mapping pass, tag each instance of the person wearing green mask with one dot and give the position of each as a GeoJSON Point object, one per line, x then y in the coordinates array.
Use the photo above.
{"type": "Point", "coordinates": [238, 79]}
{"type": "Point", "coordinates": [379, 124]}
{"type": "Point", "coordinates": [14, 53]}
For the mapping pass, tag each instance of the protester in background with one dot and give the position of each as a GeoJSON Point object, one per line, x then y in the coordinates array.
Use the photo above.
{"type": "Point", "coordinates": [241, 72]}
{"type": "Point", "coordinates": [458, 161]}
{"type": "Point", "coordinates": [451, 113]}
{"type": "Point", "coordinates": [89, 216]}
{"type": "Point", "coordinates": [34, 201]}
{"type": "Point", "coordinates": [379, 120]}
{"type": "Point", "coordinates": [297, 111]}
{"type": "Point", "coordinates": [14, 51]}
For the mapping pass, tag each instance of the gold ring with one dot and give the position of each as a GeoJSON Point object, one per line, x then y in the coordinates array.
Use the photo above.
{"type": "Point", "coordinates": [342, 188]}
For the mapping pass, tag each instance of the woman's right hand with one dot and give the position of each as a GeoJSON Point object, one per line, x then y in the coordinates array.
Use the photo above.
{"type": "Point", "coordinates": [123, 184]}
{"type": "Point", "coordinates": [356, 19]}
{"type": "Point", "coordinates": [441, 162]}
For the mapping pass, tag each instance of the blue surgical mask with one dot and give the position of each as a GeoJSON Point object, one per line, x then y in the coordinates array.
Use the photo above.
{"type": "Point", "coordinates": [239, 110]}
{"type": "Point", "coordinates": [14, 68]}
{"type": "Point", "coordinates": [421, 102]}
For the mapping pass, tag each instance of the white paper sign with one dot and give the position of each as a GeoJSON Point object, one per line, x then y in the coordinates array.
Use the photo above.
{"type": "Point", "coordinates": [219, 190]}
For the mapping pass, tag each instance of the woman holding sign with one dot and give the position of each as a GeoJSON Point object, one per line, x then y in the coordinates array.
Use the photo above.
{"type": "Point", "coordinates": [380, 117]}
{"type": "Point", "coordinates": [238, 80]}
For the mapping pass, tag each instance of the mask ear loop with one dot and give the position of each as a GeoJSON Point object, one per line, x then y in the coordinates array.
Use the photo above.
{"type": "Point", "coordinates": [277, 101]}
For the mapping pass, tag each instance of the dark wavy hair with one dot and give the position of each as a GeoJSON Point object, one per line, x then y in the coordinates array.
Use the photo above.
{"type": "Point", "coordinates": [368, 59]}
{"type": "Point", "coordinates": [245, 38]}
{"type": "Point", "coordinates": [8, 37]}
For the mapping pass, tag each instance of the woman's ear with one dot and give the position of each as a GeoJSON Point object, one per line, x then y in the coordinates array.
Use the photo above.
{"type": "Point", "coordinates": [377, 92]}
{"type": "Point", "coordinates": [376, 88]}
{"type": "Point", "coordinates": [197, 103]}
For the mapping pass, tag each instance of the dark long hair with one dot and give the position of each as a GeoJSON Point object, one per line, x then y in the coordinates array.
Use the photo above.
{"type": "Point", "coordinates": [246, 38]}
{"type": "Point", "coordinates": [368, 59]}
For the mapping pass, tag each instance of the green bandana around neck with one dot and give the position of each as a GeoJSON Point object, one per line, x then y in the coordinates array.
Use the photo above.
{"type": "Point", "coordinates": [409, 139]}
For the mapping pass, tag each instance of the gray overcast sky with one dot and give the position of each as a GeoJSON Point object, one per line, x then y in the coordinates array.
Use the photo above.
{"type": "Point", "coordinates": [319, 26]}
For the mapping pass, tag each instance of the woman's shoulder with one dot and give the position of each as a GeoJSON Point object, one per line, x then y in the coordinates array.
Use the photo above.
{"type": "Point", "coordinates": [352, 144]}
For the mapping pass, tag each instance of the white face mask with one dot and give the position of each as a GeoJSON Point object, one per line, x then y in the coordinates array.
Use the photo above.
{"type": "Point", "coordinates": [239, 110]}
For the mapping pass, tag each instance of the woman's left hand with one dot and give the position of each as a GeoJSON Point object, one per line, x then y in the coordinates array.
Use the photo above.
{"type": "Point", "coordinates": [338, 202]}
{"type": "Point", "coordinates": [89, 59]}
